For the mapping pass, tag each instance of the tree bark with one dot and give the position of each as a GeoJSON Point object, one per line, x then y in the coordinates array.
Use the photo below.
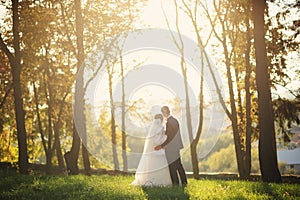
{"type": "Point", "coordinates": [15, 62]}
{"type": "Point", "coordinates": [248, 94]}
{"type": "Point", "coordinates": [71, 157]}
{"type": "Point", "coordinates": [199, 131]}
{"type": "Point", "coordinates": [57, 146]}
{"type": "Point", "coordinates": [124, 154]}
{"type": "Point", "coordinates": [113, 123]}
{"type": "Point", "coordinates": [39, 117]}
{"type": "Point", "coordinates": [57, 127]}
{"type": "Point", "coordinates": [267, 143]}
{"type": "Point", "coordinates": [50, 127]}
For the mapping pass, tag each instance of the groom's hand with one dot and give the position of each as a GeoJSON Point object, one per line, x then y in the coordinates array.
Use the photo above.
{"type": "Point", "coordinates": [157, 148]}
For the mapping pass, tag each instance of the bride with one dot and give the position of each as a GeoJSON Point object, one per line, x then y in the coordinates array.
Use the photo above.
{"type": "Point", "coordinates": [153, 167]}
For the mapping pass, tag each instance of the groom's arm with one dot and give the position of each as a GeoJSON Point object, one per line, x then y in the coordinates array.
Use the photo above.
{"type": "Point", "coordinates": [172, 128]}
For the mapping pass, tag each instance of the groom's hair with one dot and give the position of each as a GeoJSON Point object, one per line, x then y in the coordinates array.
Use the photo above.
{"type": "Point", "coordinates": [159, 116]}
{"type": "Point", "coordinates": [166, 109]}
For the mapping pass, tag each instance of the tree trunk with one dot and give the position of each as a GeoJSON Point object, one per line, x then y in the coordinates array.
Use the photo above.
{"type": "Point", "coordinates": [234, 120]}
{"type": "Point", "coordinates": [247, 93]}
{"type": "Point", "coordinates": [267, 143]}
{"type": "Point", "coordinates": [60, 158]}
{"type": "Point", "coordinates": [16, 72]}
{"type": "Point", "coordinates": [199, 131]}
{"type": "Point", "coordinates": [188, 115]}
{"type": "Point", "coordinates": [124, 154]}
{"type": "Point", "coordinates": [80, 86]}
{"type": "Point", "coordinates": [180, 46]}
{"type": "Point", "coordinates": [71, 157]}
{"type": "Point", "coordinates": [39, 117]}
{"type": "Point", "coordinates": [113, 123]}
{"type": "Point", "coordinates": [86, 159]}
{"type": "Point", "coordinates": [50, 129]}
{"type": "Point", "coordinates": [57, 146]}
{"type": "Point", "coordinates": [57, 127]}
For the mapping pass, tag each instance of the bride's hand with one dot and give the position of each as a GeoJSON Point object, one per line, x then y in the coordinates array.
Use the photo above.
{"type": "Point", "coordinates": [157, 148]}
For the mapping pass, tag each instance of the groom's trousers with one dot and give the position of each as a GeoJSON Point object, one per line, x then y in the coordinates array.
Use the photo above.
{"type": "Point", "coordinates": [175, 166]}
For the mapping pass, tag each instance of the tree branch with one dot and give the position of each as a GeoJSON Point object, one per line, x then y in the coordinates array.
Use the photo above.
{"type": "Point", "coordinates": [6, 50]}
{"type": "Point", "coordinates": [168, 24]}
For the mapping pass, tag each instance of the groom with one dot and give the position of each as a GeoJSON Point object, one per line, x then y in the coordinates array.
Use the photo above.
{"type": "Point", "coordinates": [172, 146]}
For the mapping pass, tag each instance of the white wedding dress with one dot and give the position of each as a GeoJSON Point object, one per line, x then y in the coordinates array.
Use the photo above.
{"type": "Point", "coordinates": [153, 168]}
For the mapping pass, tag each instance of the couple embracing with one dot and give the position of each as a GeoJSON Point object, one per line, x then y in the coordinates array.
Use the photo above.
{"type": "Point", "coordinates": [160, 163]}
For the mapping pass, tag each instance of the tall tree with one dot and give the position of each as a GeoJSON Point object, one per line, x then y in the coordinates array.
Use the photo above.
{"type": "Point", "coordinates": [228, 15]}
{"type": "Point", "coordinates": [192, 14]}
{"type": "Point", "coordinates": [80, 129]}
{"type": "Point", "coordinates": [15, 63]}
{"type": "Point", "coordinates": [183, 65]}
{"type": "Point", "coordinates": [110, 72]}
{"type": "Point", "coordinates": [248, 66]}
{"type": "Point", "coordinates": [267, 144]}
{"type": "Point", "coordinates": [80, 85]}
{"type": "Point", "coordinates": [124, 149]}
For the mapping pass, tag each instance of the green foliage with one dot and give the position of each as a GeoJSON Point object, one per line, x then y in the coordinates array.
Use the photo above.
{"type": "Point", "coordinates": [99, 139]}
{"type": "Point", "coordinates": [222, 157]}
{"type": "Point", "coordinates": [118, 187]}
{"type": "Point", "coordinates": [206, 164]}
{"type": "Point", "coordinates": [286, 113]}
{"type": "Point", "coordinates": [8, 151]}
{"type": "Point", "coordinates": [223, 141]}
{"type": "Point", "coordinates": [255, 167]}
{"type": "Point", "coordinates": [222, 161]}
{"type": "Point", "coordinates": [282, 40]}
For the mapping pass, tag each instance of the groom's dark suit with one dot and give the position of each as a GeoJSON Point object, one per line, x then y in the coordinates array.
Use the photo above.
{"type": "Point", "coordinates": [172, 146]}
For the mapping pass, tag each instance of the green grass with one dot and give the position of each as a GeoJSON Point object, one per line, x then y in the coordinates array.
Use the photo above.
{"type": "Point", "coordinates": [118, 187]}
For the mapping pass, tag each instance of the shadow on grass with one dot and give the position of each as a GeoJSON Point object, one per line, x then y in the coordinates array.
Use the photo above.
{"type": "Point", "coordinates": [265, 189]}
{"type": "Point", "coordinates": [172, 192]}
{"type": "Point", "coordinates": [44, 187]}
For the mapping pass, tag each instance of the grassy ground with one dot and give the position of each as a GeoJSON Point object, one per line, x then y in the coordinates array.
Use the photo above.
{"type": "Point", "coordinates": [118, 187]}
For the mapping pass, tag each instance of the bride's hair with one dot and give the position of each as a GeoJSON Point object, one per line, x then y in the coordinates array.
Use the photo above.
{"type": "Point", "coordinates": [159, 116]}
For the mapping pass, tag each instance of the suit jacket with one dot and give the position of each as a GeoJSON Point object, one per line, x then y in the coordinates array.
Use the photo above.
{"type": "Point", "coordinates": [173, 141]}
